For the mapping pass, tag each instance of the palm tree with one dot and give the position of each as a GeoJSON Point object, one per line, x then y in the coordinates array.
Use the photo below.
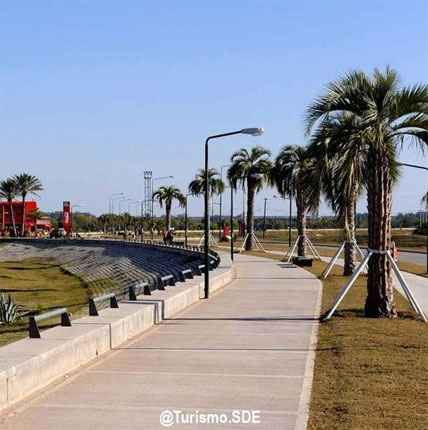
{"type": "Point", "coordinates": [26, 184]}
{"type": "Point", "coordinates": [103, 220]}
{"type": "Point", "coordinates": [296, 174]}
{"type": "Point", "coordinates": [339, 146]}
{"type": "Point", "coordinates": [9, 191]}
{"type": "Point", "coordinates": [166, 195]}
{"type": "Point", "coordinates": [253, 168]}
{"type": "Point", "coordinates": [389, 113]}
{"type": "Point", "coordinates": [216, 185]}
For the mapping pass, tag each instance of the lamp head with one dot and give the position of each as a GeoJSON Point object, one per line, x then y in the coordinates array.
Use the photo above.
{"type": "Point", "coordinates": [255, 131]}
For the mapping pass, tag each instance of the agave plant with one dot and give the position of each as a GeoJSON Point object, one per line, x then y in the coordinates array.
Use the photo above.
{"type": "Point", "coordinates": [8, 310]}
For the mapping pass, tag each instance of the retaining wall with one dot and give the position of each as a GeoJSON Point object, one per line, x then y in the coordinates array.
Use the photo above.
{"type": "Point", "coordinates": [30, 364]}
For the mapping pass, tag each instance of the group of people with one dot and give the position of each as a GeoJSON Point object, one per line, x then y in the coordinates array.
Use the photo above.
{"type": "Point", "coordinates": [168, 236]}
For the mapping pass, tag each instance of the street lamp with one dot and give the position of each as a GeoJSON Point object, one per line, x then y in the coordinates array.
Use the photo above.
{"type": "Point", "coordinates": [136, 208]}
{"type": "Point", "coordinates": [212, 209]}
{"type": "Point", "coordinates": [71, 217]}
{"type": "Point", "coordinates": [290, 219]}
{"type": "Point", "coordinates": [264, 215]}
{"type": "Point", "coordinates": [113, 200]}
{"type": "Point", "coordinates": [153, 180]}
{"type": "Point", "coordinates": [110, 203]}
{"type": "Point", "coordinates": [231, 223]}
{"type": "Point", "coordinates": [250, 131]}
{"type": "Point", "coordinates": [221, 200]}
{"type": "Point", "coordinates": [423, 168]}
{"type": "Point", "coordinates": [399, 163]}
{"type": "Point", "coordinates": [120, 204]}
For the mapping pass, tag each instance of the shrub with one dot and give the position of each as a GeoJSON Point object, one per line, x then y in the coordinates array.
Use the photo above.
{"type": "Point", "coordinates": [8, 310]}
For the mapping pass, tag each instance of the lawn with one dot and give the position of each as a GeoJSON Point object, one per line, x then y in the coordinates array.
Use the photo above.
{"type": "Point", "coordinates": [414, 268]}
{"type": "Point", "coordinates": [404, 239]}
{"type": "Point", "coordinates": [369, 373]}
{"type": "Point", "coordinates": [39, 286]}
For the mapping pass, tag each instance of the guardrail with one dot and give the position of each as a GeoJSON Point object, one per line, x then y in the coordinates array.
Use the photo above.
{"type": "Point", "coordinates": [186, 274]}
{"type": "Point", "coordinates": [200, 269]}
{"type": "Point", "coordinates": [93, 311]}
{"type": "Point", "coordinates": [166, 280]}
{"type": "Point", "coordinates": [34, 332]}
{"type": "Point", "coordinates": [141, 286]}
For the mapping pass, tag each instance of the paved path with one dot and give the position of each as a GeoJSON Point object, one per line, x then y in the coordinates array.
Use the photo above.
{"type": "Point", "coordinates": [249, 347]}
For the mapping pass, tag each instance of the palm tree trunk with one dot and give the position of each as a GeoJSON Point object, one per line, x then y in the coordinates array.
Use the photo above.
{"type": "Point", "coordinates": [250, 216]}
{"type": "Point", "coordinates": [12, 217]}
{"type": "Point", "coordinates": [23, 216]}
{"type": "Point", "coordinates": [350, 240]}
{"type": "Point", "coordinates": [167, 216]}
{"type": "Point", "coordinates": [301, 224]}
{"type": "Point", "coordinates": [380, 295]}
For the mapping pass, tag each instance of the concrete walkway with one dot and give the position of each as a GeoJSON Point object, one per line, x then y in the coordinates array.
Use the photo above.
{"type": "Point", "coordinates": [249, 347]}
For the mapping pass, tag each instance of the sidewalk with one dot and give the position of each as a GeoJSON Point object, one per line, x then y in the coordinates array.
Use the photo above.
{"type": "Point", "coordinates": [249, 347]}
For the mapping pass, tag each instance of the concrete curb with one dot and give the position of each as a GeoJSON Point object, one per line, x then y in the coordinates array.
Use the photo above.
{"type": "Point", "coordinates": [30, 364]}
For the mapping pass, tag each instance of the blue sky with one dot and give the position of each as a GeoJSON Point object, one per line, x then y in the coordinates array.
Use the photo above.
{"type": "Point", "coordinates": [92, 93]}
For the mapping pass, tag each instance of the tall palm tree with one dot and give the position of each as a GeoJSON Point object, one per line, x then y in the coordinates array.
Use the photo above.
{"type": "Point", "coordinates": [9, 191]}
{"type": "Point", "coordinates": [216, 185]}
{"type": "Point", "coordinates": [339, 146]}
{"type": "Point", "coordinates": [103, 220]}
{"type": "Point", "coordinates": [251, 167]}
{"type": "Point", "coordinates": [165, 196]}
{"type": "Point", "coordinates": [389, 114]}
{"type": "Point", "coordinates": [26, 184]}
{"type": "Point", "coordinates": [296, 174]}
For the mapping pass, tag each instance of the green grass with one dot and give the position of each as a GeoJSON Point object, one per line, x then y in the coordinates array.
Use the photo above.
{"type": "Point", "coordinates": [369, 373]}
{"type": "Point", "coordinates": [42, 286]}
{"type": "Point", "coordinates": [404, 239]}
{"type": "Point", "coordinates": [414, 268]}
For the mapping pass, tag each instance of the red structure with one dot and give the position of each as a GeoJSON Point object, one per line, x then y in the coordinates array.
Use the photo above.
{"type": "Point", "coordinates": [32, 224]}
{"type": "Point", "coordinates": [66, 218]}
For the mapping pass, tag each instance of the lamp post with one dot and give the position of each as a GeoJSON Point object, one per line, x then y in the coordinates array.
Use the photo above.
{"type": "Point", "coordinates": [153, 181]}
{"type": "Point", "coordinates": [129, 207]}
{"type": "Point", "coordinates": [71, 217]}
{"type": "Point", "coordinates": [110, 202]}
{"type": "Point", "coordinates": [113, 200]}
{"type": "Point", "coordinates": [423, 168]}
{"type": "Point", "coordinates": [212, 209]}
{"type": "Point", "coordinates": [289, 217]}
{"type": "Point", "coordinates": [264, 215]}
{"type": "Point", "coordinates": [231, 223]}
{"type": "Point", "coordinates": [120, 204]}
{"type": "Point", "coordinates": [221, 201]}
{"type": "Point", "coordinates": [250, 131]}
